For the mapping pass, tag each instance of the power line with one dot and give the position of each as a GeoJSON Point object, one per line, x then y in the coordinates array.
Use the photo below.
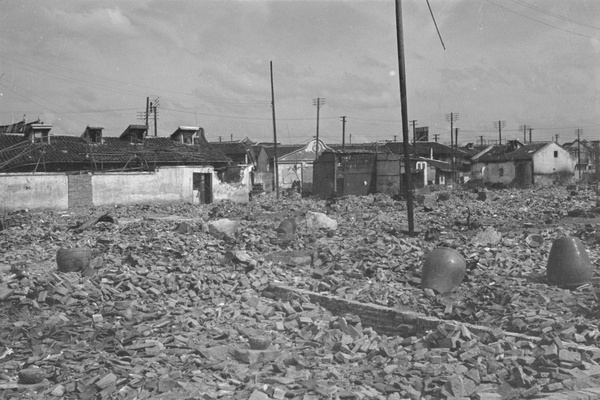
{"type": "Point", "coordinates": [550, 13]}
{"type": "Point", "coordinates": [44, 99]}
{"type": "Point", "coordinates": [541, 22]}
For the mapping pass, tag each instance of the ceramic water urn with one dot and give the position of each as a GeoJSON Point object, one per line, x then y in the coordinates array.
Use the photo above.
{"type": "Point", "coordinates": [568, 263]}
{"type": "Point", "coordinates": [443, 270]}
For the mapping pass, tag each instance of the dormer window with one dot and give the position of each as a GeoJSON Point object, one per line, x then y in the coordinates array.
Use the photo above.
{"type": "Point", "coordinates": [41, 137]}
{"type": "Point", "coordinates": [93, 134]}
{"type": "Point", "coordinates": [38, 133]}
{"type": "Point", "coordinates": [134, 134]}
{"type": "Point", "coordinates": [187, 139]}
{"type": "Point", "coordinates": [185, 135]}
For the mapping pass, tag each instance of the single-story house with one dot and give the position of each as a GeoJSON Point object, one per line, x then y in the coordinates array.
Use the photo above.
{"type": "Point", "coordinates": [518, 164]}
{"type": "Point", "coordinates": [438, 152]}
{"type": "Point", "coordinates": [295, 163]}
{"type": "Point", "coordinates": [584, 153]}
{"type": "Point", "coordinates": [40, 170]}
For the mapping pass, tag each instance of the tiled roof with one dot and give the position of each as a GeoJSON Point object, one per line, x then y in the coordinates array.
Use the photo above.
{"type": "Point", "coordinates": [283, 150]}
{"type": "Point", "coordinates": [501, 153]}
{"type": "Point", "coordinates": [230, 148]}
{"type": "Point", "coordinates": [361, 147]}
{"type": "Point", "coordinates": [75, 153]}
{"type": "Point", "coordinates": [423, 148]}
{"type": "Point", "coordinates": [17, 127]}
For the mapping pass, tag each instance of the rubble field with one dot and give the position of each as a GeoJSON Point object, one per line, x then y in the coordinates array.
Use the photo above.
{"type": "Point", "coordinates": [258, 301]}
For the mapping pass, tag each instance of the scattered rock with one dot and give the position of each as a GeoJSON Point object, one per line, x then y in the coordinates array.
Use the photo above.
{"type": "Point", "coordinates": [31, 376]}
{"type": "Point", "coordinates": [224, 227]}
{"type": "Point", "coordinates": [73, 260]}
{"type": "Point", "coordinates": [488, 237]}
{"type": "Point", "coordinates": [317, 220]}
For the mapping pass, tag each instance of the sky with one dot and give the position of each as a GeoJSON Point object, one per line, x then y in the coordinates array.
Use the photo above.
{"type": "Point", "coordinates": [507, 63]}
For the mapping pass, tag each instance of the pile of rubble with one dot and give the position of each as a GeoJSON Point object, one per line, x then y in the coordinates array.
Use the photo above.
{"type": "Point", "coordinates": [296, 298]}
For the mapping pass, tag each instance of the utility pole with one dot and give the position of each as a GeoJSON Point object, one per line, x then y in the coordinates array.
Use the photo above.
{"type": "Point", "coordinates": [414, 123]}
{"type": "Point", "coordinates": [499, 125]}
{"type": "Point", "coordinates": [452, 117]}
{"type": "Point", "coordinates": [276, 162]}
{"type": "Point", "coordinates": [156, 104]}
{"type": "Point", "coordinates": [319, 102]}
{"type": "Point", "coordinates": [343, 117]}
{"type": "Point", "coordinates": [147, 113]}
{"type": "Point", "coordinates": [530, 129]}
{"type": "Point", "coordinates": [436, 136]}
{"type": "Point", "coordinates": [525, 128]}
{"type": "Point", "coordinates": [579, 132]}
{"type": "Point", "coordinates": [404, 111]}
{"type": "Point", "coordinates": [456, 149]}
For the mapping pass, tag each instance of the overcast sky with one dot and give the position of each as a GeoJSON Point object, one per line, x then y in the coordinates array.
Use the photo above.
{"type": "Point", "coordinates": [524, 62]}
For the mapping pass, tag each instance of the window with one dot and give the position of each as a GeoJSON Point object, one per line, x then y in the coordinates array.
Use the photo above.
{"type": "Point", "coordinates": [556, 154]}
{"type": "Point", "coordinates": [40, 137]}
{"type": "Point", "coordinates": [500, 172]}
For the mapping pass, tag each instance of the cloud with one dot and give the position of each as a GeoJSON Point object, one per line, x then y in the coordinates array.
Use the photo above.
{"type": "Point", "coordinates": [106, 21]}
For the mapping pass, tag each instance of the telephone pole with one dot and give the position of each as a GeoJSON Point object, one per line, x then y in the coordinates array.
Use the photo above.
{"type": "Point", "coordinates": [343, 117]}
{"type": "Point", "coordinates": [525, 128]}
{"type": "Point", "coordinates": [318, 102]}
{"type": "Point", "coordinates": [404, 112]}
{"type": "Point", "coordinates": [414, 123]}
{"type": "Point", "coordinates": [275, 161]}
{"type": "Point", "coordinates": [147, 112]}
{"type": "Point", "coordinates": [456, 149]}
{"type": "Point", "coordinates": [156, 104]}
{"type": "Point", "coordinates": [499, 125]}
{"type": "Point", "coordinates": [452, 117]}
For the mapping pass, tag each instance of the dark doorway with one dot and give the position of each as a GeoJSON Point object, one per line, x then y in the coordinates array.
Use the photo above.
{"type": "Point", "coordinates": [202, 188]}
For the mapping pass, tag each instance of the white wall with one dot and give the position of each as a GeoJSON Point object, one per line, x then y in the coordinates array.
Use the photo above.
{"type": "Point", "coordinates": [35, 192]}
{"type": "Point", "coordinates": [41, 191]}
{"type": "Point", "coordinates": [544, 161]}
{"type": "Point", "coordinates": [238, 192]}
{"type": "Point", "coordinates": [166, 185]}
{"type": "Point", "coordinates": [491, 172]}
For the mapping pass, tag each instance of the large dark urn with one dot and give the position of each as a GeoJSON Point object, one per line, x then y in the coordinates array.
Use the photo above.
{"type": "Point", "coordinates": [568, 263]}
{"type": "Point", "coordinates": [443, 270]}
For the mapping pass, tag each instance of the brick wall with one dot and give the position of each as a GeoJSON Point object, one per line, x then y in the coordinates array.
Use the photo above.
{"type": "Point", "coordinates": [80, 191]}
{"type": "Point", "coordinates": [384, 320]}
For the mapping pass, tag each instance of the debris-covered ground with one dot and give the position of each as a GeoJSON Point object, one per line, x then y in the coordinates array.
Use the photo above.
{"type": "Point", "coordinates": [174, 303]}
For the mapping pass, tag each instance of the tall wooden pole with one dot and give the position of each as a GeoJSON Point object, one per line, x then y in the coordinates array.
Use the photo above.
{"type": "Point", "coordinates": [343, 131]}
{"type": "Point", "coordinates": [276, 162]}
{"type": "Point", "coordinates": [404, 108]}
{"type": "Point", "coordinates": [147, 113]}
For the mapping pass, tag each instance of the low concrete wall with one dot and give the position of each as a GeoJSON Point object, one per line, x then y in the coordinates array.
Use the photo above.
{"type": "Point", "coordinates": [47, 191]}
{"type": "Point", "coordinates": [39, 191]}
{"type": "Point", "coordinates": [166, 185]}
